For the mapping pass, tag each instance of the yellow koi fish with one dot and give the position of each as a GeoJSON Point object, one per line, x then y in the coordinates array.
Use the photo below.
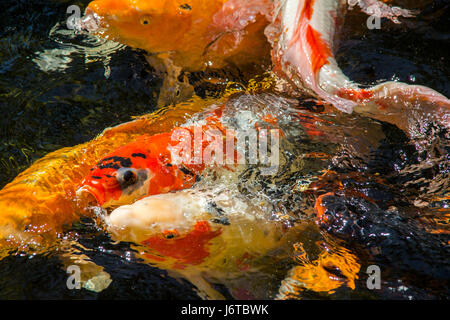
{"type": "Point", "coordinates": [39, 202]}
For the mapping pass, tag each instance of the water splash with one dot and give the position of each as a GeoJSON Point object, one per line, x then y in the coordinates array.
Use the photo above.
{"type": "Point", "coordinates": [70, 42]}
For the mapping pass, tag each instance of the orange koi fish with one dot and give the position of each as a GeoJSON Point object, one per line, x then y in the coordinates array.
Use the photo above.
{"type": "Point", "coordinates": [181, 36]}
{"type": "Point", "coordinates": [174, 160]}
{"type": "Point", "coordinates": [36, 205]}
{"type": "Point", "coordinates": [151, 164]}
{"type": "Point", "coordinates": [195, 34]}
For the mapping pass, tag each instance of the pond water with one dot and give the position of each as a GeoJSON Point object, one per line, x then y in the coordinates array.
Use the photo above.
{"type": "Point", "coordinates": [58, 90]}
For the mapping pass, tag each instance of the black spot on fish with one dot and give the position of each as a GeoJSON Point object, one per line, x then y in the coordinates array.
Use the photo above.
{"type": "Point", "coordinates": [186, 171]}
{"type": "Point", "coordinates": [108, 175]}
{"type": "Point", "coordinates": [109, 165]}
{"type": "Point", "coordinates": [221, 220]}
{"type": "Point", "coordinates": [168, 165]}
{"type": "Point", "coordinates": [170, 236]}
{"type": "Point", "coordinates": [215, 209]}
{"type": "Point", "coordinates": [185, 7]}
{"type": "Point", "coordinates": [115, 163]}
{"type": "Point", "coordinates": [95, 177]}
{"type": "Point", "coordinates": [139, 155]}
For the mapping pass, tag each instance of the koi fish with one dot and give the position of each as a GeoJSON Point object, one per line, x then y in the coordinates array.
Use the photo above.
{"type": "Point", "coordinates": [36, 205]}
{"type": "Point", "coordinates": [200, 231]}
{"type": "Point", "coordinates": [195, 34]}
{"type": "Point", "coordinates": [303, 53]}
{"type": "Point", "coordinates": [204, 233]}
{"type": "Point", "coordinates": [301, 32]}
{"type": "Point", "coordinates": [152, 164]}
{"type": "Point", "coordinates": [180, 217]}
{"type": "Point", "coordinates": [184, 36]}
{"type": "Point", "coordinates": [174, 160]}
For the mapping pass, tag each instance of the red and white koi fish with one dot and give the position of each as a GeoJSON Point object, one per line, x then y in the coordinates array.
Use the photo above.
{"type": "Point", "coordinates": [181, 216]}
{"type": "Point", "coordinates": [303, 52]}
{"type": "Point", "coordinates": [175, 215]}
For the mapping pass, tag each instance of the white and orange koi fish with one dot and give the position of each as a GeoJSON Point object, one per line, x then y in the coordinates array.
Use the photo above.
{"type": "Point", "coordinates": [303, 53]}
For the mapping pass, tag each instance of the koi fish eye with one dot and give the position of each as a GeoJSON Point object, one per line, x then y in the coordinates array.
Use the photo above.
{"type": "Point", "coordinates": [126, 177]}
{"type": "Point", "coordinates": [145, 20]}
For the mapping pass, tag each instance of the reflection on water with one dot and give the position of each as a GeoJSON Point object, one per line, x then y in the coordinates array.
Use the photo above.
{"type": "Point", "coordinates": [45, 111]}
{"type": "Point", "coordinates": [93, 48]}
{"type": "Point", "coordinates": [59, 89]}
{"type": "Point", "coordinates": [334, 267]}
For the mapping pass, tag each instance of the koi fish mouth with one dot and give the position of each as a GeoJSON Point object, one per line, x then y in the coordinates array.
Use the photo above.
{"type": "Point", "coordinates": [86, 191]}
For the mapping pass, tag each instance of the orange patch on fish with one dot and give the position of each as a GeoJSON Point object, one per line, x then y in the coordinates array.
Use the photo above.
{"type": "Point", "coordinates": [190, 249]}
{"type": "Point", "coordinates": [270, 119]}
{"type": "Point", "coordinates": [316, 155]}
{"type": "Point", "coordinates": [311, 130]}
{"type": "Point", "coordinates": [320, 51]}
{"type": "Point", "coordinates": [355, 94]}
{"type": "Point", "coordinates": [308, 9]}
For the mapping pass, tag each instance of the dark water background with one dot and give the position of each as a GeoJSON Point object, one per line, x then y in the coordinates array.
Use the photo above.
{"type": "Point", "coordinates": [44, 111]}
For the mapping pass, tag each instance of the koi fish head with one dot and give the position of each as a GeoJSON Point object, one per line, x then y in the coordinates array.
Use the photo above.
{"type": "Point", "coordinates": [121, 177]}
{"type": "Point", "coordinates": [155, 26]}
{"type": "Point", "coordinates": [175, 226]}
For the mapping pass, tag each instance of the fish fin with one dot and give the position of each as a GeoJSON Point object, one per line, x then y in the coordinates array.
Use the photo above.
{"type": "Point", "coordinates": [172, 90]}
{"type": "Point", "coordinates": [204, 288]}
{"type": "Point", "coordinates": [92, 276]}
{"type": "Point", "coordinates": [235, 15]}
{"type": "Point", "coordinates": [407, 106]}
{"type": "Point", "coordinates": [305, 56]}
